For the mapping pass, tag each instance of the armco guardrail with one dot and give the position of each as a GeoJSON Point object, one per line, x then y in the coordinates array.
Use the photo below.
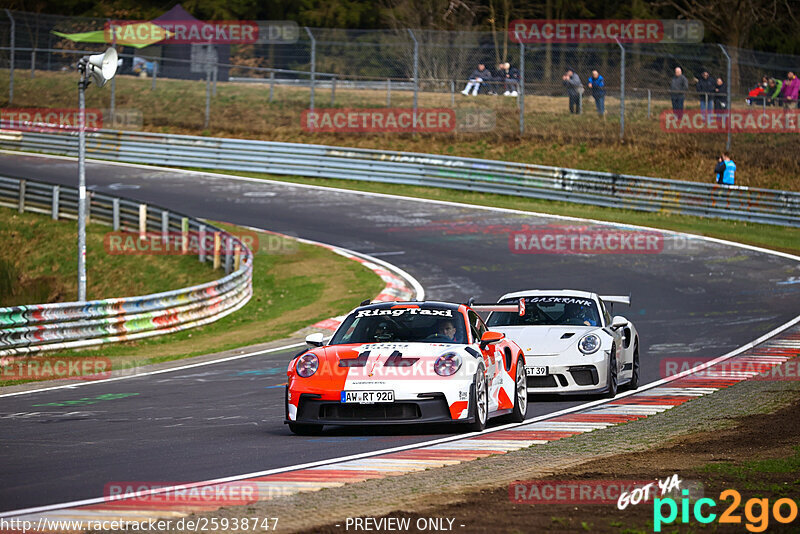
{"type": "Point", "coordinates": [505, 178]}
{"type": "Point", "coordinates": [29, 329]}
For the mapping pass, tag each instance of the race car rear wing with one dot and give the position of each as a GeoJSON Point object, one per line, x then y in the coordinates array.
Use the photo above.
{"type": "Point", "coordinates": [616, 298]}
{"type": "Point", "coordinates": [495, 307]}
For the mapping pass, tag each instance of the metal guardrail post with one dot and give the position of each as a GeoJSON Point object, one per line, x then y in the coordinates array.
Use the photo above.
{"type": "Point", "coordinates": [54, 208]}
{"type": "Point", "coordinates": [184, 235]}
{"type": "Point", "coordinates": [729, 104]}
{"type": "Point", "coordinates": [201, 242]}
{"type": "Point", "coordinates": [622, 91]}
{"type": "Point", "coordinates": [237, 257]}
{"type": "Point", "coordinates": [217, 247]}
{"type": "Point", "coordinates": [22, 188]}
{"type": "Point", "coordinates": [313, 66]}
{"type": "Point", "coordinates": [228, 254]}
{"type": "Point", "coordinates": [416, 72]}
{"type": "Point", "coordinates": [165, 226]}
{"type": "Point", "coordinates": [12, 44]}
{"type": "Point", "coordinates": [115, 214]}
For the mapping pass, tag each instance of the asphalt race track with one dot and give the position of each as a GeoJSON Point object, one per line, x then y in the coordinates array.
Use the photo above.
{"type": "Point", "coordinates": [694, 298]}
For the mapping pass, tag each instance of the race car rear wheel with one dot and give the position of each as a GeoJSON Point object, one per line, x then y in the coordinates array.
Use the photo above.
{"type": "Point", "coordinates": [613, 380]}
{"type": "Point", "coordinates": [305, 429]}
{"type": "Point", "coordinates": [520, 394]}
{"type": "Point", "coordinates": [480, 402]}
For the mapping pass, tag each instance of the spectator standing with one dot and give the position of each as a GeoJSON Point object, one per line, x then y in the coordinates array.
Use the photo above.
{"type": "Point", "coordinates": [512, 80]}
{"type": "Point", "coordinates": [477, 77]}
{"type": "Point", "coordinates": [598, 86]}
{"type": "Point", "coordinates": [677, 90]}
{"type": "Point", "coordinates": [790, 90]}
{"type": "Point", "coordinates": [720, 96]}
{"type": "Point", "coordinates": [574, 90]}
{"type": "Point", "coordinates": [719, 169]}
{"type": "Point", "coordinates": [729, 175]}
{"type": "Point", "coordinates": [705, 90]}
{"type": "Point", "coordinates": [773, 92]}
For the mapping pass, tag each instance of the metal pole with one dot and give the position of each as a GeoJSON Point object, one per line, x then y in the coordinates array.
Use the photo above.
{"type": "Point", "coordinates": [313, 65]}
{"type": "Point", "coordinates": [728, 107]}
{"type": "Point", "coordinates": [215, 75]}
{"type": "Point", "coordinates": [271, 85]}
{"type": "Point", "coordinates": [33, 63]}
{"type": "Point", "coordinates": [113, 80]}
{"type": "Point", "coordinates": [208, 96]}
{"type": "Point", "coordinates": [648, 103]}
{"type": "Point", "coordinates": [333, 91]}
{"type": "Point", "coordinates": [82, 187]}
{"type": "Point", "coordinates": [521, 87]}
{"type": "Point", "coordinates": [452, 93]}
{"type": "Point", "coordinates": [155, 75]}
{"type": "Point", "coordinates": [388, 92]}
{"type": "Point", "coordinates": [416, 70]}
{"type": "Point", "coordinates": [11, 58]}
{"type": "Point", "coordinates": [622, 92]}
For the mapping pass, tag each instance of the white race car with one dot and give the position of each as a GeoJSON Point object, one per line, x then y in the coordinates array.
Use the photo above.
{"type": "Point", "coordinates": [571, 342]}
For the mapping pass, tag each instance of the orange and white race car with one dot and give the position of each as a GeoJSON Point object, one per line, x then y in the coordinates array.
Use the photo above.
{"type": "Point", "coordinates": [408, 362]}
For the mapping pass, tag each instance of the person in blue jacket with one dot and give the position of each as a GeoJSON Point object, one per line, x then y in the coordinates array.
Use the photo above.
{"type": "Point", "coordinates": [598, 87]}
{"type": "Point", "coordinates": [729, 176]}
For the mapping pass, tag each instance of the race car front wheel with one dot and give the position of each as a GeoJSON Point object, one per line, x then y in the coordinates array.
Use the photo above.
{"type": "Point", "coordinates": [480, 402]}
{"type": "Point", "coordinates": [520, 394]}
{"type": "Point", "coordinates": [613, 380]}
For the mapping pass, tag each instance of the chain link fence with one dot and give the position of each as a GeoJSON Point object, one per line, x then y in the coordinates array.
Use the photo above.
{"type": "Point", "coordinates": [399, 68]}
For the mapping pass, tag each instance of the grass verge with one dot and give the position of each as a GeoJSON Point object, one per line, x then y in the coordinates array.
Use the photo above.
{"type": "Point", "coordinates": [779, 238]}
{"type": "Point", "coordinates": [294, 285]}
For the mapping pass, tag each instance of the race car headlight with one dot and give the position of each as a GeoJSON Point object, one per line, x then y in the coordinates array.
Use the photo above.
{"type": "Point", "coordinates": [307, 365]}
{"type": "Point", "coordinates": [589, 344]}
{"type": "Point", "coordinates": [447, 364]}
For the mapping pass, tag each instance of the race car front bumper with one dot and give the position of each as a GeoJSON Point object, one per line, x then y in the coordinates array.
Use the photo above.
{"type": "Point", "coordinates": [579, 374]}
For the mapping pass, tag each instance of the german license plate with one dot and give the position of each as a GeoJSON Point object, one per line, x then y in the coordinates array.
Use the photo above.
{"type": "Point", "coordinates": [367, 397]}
{"type": "Point", "coordinates": [536, 370]}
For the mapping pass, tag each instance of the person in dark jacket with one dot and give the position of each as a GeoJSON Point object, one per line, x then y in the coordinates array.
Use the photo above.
{"type": "Point", "coordinates": [598, 87]}
{"type": "Point", "coordinates": [512, 80]}
{"type": "Point", "coordinates": [705, 90]}
{"type": "Point", "coordinates": [477, 77]}
{"type": "Point", "coordinates": [719, 169]}
{"type": "Point", "coordinates": [574, 90]}
{"type": "Point", "coordinates": [720, 96]}
{"type": "Point", "coordinates": [677, 90]}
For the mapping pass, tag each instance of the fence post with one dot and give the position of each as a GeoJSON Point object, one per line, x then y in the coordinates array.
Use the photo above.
{"type": "Point", "coordinates": [201, 242]}
{"type": "Point", "coordinates": [271, 85]}
{"type": "Point", "coordinates": [184, 235]}
{"type": "Point", "coordinates": [313, 65]}
{"type": "Point", "coordinates": [728, 80]}
{"type": "Point", "coordinates": [142, 221]}
{"type": "Point", "coordinates": [12, 45]}
{"type": "Point", "coordinates": [22, 188]}
{"type": "Point", "coordinates": [33, 63]}
{"type": "Point", "coordinates": [55, 202]}
{"type": "Point", "coordinates": [521, 97]}
{"type": "Point", "coordinates": [228, 254]}
{"type": "Point", "coordinates": [333, 91]}
{"type": "Point", "coordinates": [416, 72]}
{"type": "Point", "coordinates": [452, 93]}
{"type": "Point", "coordinates": [217, 247]}
{"type": "Point", "coordinates": [208, 97]}
{"type": "Point", "coordinates": [388, 92]}
{"type": "Point", "coordinates": [215, 75]}
{"type": "Point", "coordinates": [164, 226]}
{"type": "Point", "coordinates": [155, 75]}
{"type": "Point", "coordinates": [115, 214]}
{"type": "Point", "coordinates": [622, 92]}
{"type": "Point", "coordinates": [237, 257]}
{"type": "Point", "coordinates": [648, 103]}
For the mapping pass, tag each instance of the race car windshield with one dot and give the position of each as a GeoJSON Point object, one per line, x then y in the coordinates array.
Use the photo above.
{"type": "Point", "coordinates": [554, 311]}
{"type": "Point", "coordinates": [392, 325]}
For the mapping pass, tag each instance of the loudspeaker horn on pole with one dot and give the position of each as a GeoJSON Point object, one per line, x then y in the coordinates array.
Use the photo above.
{"type": "Point", "coordinates": [102, 67]}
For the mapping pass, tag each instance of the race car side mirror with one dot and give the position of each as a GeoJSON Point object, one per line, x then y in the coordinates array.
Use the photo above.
{"type": "Point", "coordinates": [618, 322]}
{"type": "Point", "coordinates": [315, 339]}
{"type": "Point", "coordinates": [490, 337]}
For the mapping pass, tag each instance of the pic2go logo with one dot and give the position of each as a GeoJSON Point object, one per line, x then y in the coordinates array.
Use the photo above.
{"type": "Point", "coordinates": [756, 511]}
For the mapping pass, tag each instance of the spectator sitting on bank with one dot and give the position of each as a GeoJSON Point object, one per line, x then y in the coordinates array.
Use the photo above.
{"type": "Point", "coordinates": [720, 96]}
{"type": "Point", "coordinates": [719, 169]}
{"type": "Point", "coordinates": [677, 90]}
{"type": "Point", "coordinates": [498, 79]}
{"type": "Point", "coordinates": [773, 92]}
{"type": "Point", "coordinates": [574, 90]}
{"type": "Point", "coordinates": [791, 87]}
{"type": "Point", "coordinates": [598, 87]}
{"type": "Point", "coordinates": [705, 88]}
{"type": "Point", "coordinates": [477, 77]}
{"type": "Point", "coordinates": [512, 80]}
